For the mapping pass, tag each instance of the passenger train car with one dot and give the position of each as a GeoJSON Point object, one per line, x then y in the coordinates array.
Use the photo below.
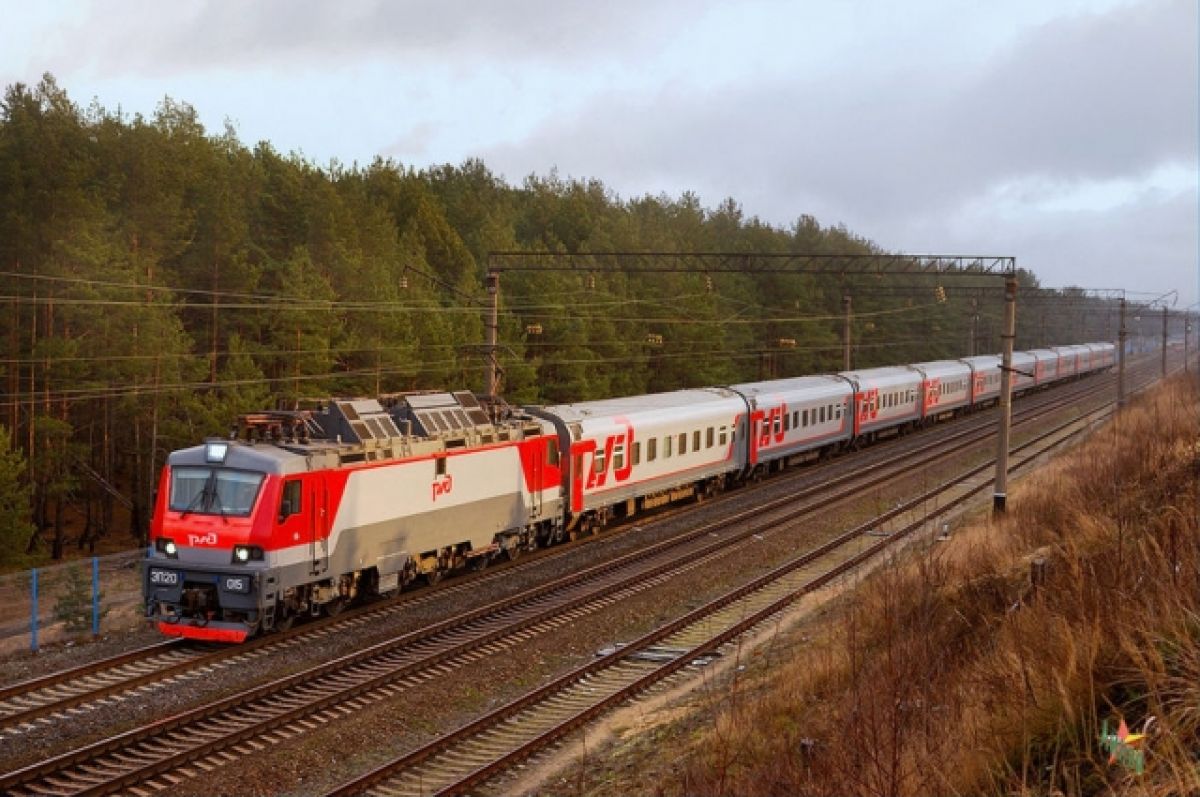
{"type": "Point", "coordinates": [300, 512]}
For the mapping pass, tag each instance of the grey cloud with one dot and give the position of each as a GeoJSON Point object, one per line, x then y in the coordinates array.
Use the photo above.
{"type": "Point", "coordinates": [298, 33]}
{"type": "Point", "coordinates": [1090, 97]}
{"type": "Point", "coordinates": [1096, 95]}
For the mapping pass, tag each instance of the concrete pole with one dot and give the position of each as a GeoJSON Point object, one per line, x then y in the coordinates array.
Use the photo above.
{"type": "Point", "coordinates": [1187, 328]}
{"type": "Point", "coordinates": [974, 327]}
{"type": "Point", "coordinates": [1000, 495]}
{"type": "Point", "coordinates": [1121, 333]}
{"type": "Point", "coordinates": [493, 364]}
{"type": "Point", "coordinates": [845, 332]}
{"type": "Point", "coordinates": [1164, 344]}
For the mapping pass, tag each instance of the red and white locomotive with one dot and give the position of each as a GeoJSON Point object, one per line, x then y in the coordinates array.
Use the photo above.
{"type": "Point", "coordinates": [300, 512]}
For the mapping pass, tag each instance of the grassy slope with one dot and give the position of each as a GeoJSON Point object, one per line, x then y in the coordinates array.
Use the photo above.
{"type": "Point", "coordinates": [951, 674]}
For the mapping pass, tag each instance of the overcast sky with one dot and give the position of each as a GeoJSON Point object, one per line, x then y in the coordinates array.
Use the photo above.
{"type": "Point", "coordinates": [1063, 132]}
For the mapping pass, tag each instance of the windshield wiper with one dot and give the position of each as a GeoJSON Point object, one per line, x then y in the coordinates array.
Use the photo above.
{"type": "Point", "coordinates": [216, 499]}
{"type": "Point", "coordinates": [200, 496]}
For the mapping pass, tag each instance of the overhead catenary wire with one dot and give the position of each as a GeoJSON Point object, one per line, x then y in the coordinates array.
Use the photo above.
{"type": "Point", "coordinates": [93, 393]}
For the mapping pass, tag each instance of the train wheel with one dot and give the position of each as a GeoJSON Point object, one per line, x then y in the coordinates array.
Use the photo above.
{"type": "Point", "coordinates": [284, 624]}
{"type": "Point", "coordinates": [334, 607]}
{"type": "Point", "coordinates": [433, 577]}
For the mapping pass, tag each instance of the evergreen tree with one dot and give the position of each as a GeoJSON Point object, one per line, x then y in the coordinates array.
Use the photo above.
{"type": "Point", "coordinates": [15, 528]}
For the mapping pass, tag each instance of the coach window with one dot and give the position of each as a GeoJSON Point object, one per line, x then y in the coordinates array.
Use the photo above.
{"type": "Point", "coordinates": [439, 466]}
{"type": "Point", "coordinates": [822, 416]}
{"type": "Point", "coordinates": [289, 503]}
{"type": "Point", "coordinates": [682, 444]}
{"type": "Point", "coordinates": [652, 449]}
{"type": "Point", "coordinates": [552, 451]}
{"type": "Point", "coordinates": [723, 436]}
{"type": "Point", "coordinates": [637, 453]}
{"type": "Point", "coordinates": [804, 418]}
{"type": "Point", "coordinates": [696, 440]}
{"type": "Point", "coordinates": [598, 462]}
{"type": "Point", "coordinates": [787, 422]}
{"type": "Point", "coordinates": [618, 457]}
{"type": "Point", "coordinates": [795, 419]}
{"type": "Point", "coordinates": [667, 445]}
{"type": "Point", "coordinates": [710, 437]}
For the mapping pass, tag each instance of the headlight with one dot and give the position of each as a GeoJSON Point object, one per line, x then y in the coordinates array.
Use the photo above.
{"type": "Point", "coordinates": [167, 546]}
{"type": "Point", "coordinates": [215, 451]}
{"type": "Point", "coordinates": [246, 553]}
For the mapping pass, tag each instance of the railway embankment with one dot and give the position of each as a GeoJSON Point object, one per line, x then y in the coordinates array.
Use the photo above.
{"type": "Point", "coordinates": [1054, 651]}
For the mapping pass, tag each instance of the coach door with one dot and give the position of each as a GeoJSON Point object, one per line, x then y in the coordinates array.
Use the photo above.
{"type": "Point", "coordinates": [537, 476]}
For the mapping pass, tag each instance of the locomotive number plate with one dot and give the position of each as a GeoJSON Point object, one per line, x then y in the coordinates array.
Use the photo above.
{"type": "Point", "coordinates": [237, 583]}
{"type": "Point", "coordinates": [166, 578]}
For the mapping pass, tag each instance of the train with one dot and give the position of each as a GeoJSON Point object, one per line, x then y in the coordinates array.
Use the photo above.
{"type": "Point", "coordinates": [300, 512]}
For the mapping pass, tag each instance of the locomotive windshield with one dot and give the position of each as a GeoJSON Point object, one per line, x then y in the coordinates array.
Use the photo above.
{"type": "Point", "coordinates": [214, 491]}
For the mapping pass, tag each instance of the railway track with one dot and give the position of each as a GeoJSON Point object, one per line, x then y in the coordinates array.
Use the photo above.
{"type": "Point", "coordinates": [325, 693]}
{"type": "Point", "coordinates": [59, 695]}
{"type": "Point", "coordinates": [475, 753]}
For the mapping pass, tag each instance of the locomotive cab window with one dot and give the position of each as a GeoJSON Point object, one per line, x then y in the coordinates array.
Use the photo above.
{"type": "Point", "coordinates": [289, 502]}
{"type": "Point", "coordinates": [214, 491]}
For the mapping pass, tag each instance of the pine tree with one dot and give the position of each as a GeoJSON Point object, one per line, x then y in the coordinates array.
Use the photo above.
{"type": "Point", "coordinates": [15, 528]}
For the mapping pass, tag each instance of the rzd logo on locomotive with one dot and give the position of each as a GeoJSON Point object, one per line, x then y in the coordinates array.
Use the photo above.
{"type": "Point", "coordinates": [202, 539]}
{"type": "Point", "coordinates": [443, 486]}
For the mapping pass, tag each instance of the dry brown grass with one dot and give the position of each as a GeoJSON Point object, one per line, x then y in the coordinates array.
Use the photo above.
{"type": "Point", "coordinates": [952, 674]}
